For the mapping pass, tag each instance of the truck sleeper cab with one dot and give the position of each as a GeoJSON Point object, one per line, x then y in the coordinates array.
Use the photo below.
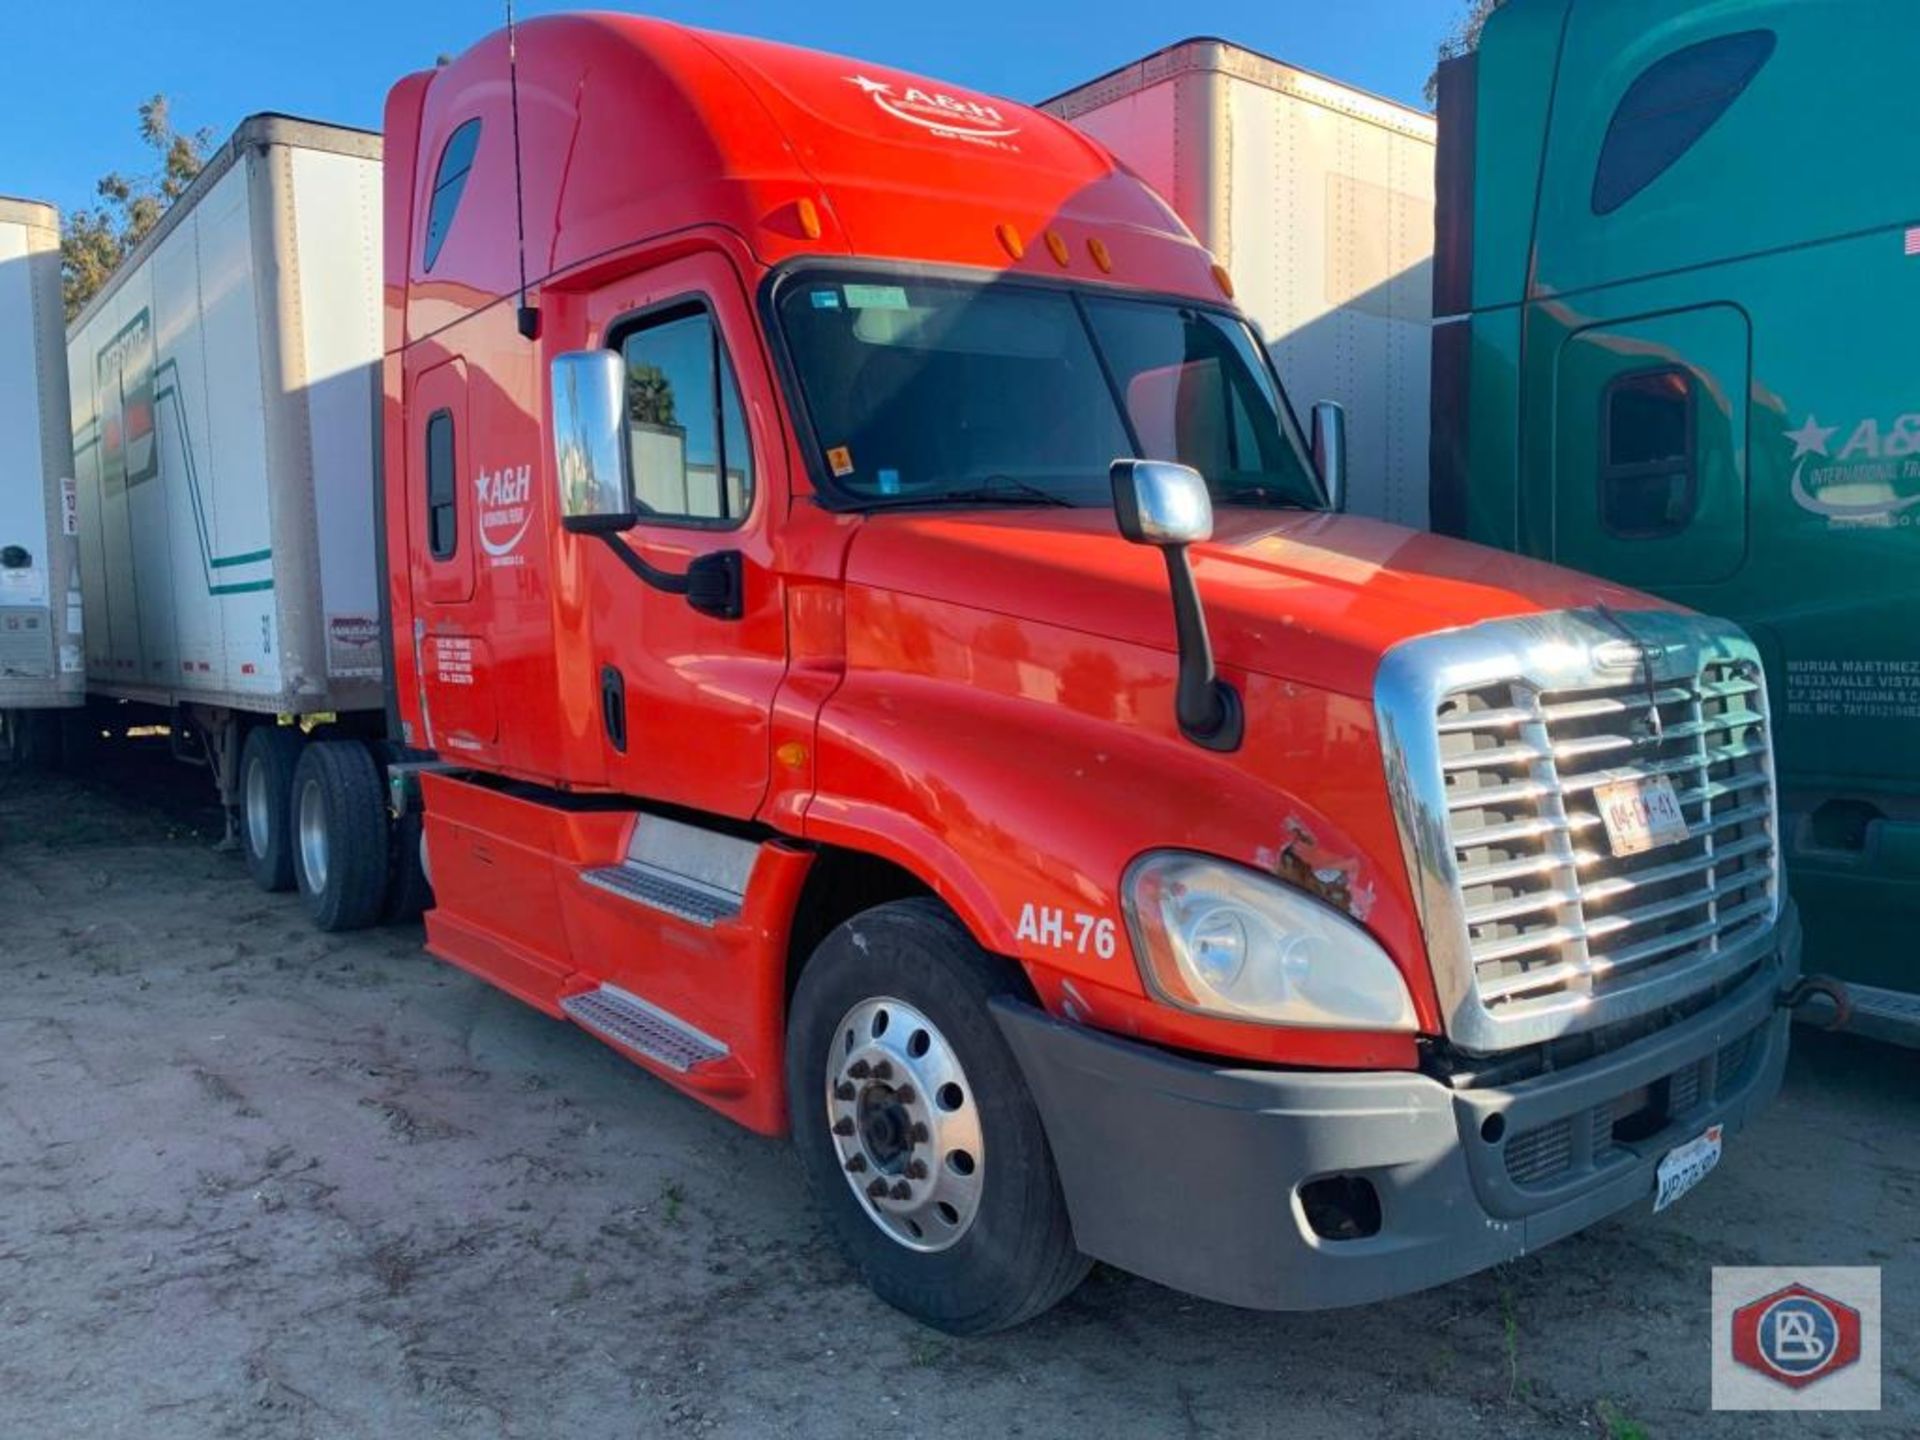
{"type": "Point", "coordinates": [876, 649]}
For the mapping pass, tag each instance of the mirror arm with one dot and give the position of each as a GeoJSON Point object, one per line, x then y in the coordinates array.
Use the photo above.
{"type": "Point", "coordinates": [714, 584]}
{"type": "Point", "coordinates": [1208, 708]}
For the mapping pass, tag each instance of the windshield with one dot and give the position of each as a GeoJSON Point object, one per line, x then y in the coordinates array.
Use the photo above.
{"type": "Point", "coordinates": [945, 391]}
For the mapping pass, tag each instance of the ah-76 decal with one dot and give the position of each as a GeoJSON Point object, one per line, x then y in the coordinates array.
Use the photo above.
{"type": "Point", "coordinates": [1076, 930]}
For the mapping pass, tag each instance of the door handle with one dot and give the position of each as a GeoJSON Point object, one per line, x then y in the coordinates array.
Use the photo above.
{"type": "Point", "coordinates": [613, 707]}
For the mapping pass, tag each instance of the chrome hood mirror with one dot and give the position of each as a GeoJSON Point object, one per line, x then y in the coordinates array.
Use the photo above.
{"type": "Point", "coordinates": [1160, 503]}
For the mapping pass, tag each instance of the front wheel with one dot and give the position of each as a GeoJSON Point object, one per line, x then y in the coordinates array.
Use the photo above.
{"type": "Point", "coordinates": [920, 1141]}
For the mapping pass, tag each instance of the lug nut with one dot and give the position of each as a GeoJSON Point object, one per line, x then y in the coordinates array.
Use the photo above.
{"type": "Point", "coordinates": [843, 1126]}
{"type": "Point", "coordinates": [901, 1190]}
{"type": "Point", "coordinates": [883, 1070]}
{"type": "Point", "coordinates": [857, 1164]}
{"type": "Point", "coordinates": [919, 1134]}
{"type": "Point", "coordinates": [916, 1169]}
{"type": "Point", "coordinates": [859, 1070]}
{"type": "Point", "coordinates": [878, 1189]}
{"type": "Point", "coordinates": [844, 1090]}
{"type": "Point", "coordinates": [906, 1095]}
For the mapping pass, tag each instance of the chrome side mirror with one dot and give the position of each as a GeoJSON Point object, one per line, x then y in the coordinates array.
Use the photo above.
{"type": "Point", "coordinates": [1160, 503]}
{"type": "Point", "coordinates": [591, 466]}
{"type": "Point", "coordinates": [1330, 451]}
{"type": "Point", "coordinates": [1163, 504]}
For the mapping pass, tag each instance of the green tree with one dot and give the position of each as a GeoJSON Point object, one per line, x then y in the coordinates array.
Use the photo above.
{"type": "Point", "coordinates": [1464, 37]}
{"type": "Point", "coordinates": [97, 238]}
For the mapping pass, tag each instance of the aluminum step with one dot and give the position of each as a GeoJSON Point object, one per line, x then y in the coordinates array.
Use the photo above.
{"type": "Point", "coordinates": [658, 889]}
{"type": "Point", "coordinates": [1889, 1015]}
{"type": "Point", "coordinates": [632, 1023]}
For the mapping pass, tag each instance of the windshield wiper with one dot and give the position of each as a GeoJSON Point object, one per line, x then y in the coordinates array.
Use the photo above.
{"type": "Point", "coordinates": [998, 490]}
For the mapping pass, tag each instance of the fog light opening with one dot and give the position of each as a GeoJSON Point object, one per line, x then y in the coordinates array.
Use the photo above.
{"type": "Point", "coordinates": [1492, 1128]}
{"type": "Point", "coordinates": [1341, 1207]}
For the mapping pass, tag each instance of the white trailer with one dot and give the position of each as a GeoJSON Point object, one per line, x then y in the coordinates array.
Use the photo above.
{"type": "Point", "coordinates": [1318, 199]}
{"type": "Point", "coordinates": [40, 609]}
{"type": "Point", "coordinates": [225, 388]}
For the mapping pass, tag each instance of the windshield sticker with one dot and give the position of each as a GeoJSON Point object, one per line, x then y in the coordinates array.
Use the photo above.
{"type": "Point", "coordinates": [825, 299]}
{"type": "Point", "coordinates": [840, 461]}
{"type": "Point", "coordinates": [877, 297]}
{"type": "Point", "coordinates": [888, 481]}
{"type": "Point", "coordinates": [950, 116]}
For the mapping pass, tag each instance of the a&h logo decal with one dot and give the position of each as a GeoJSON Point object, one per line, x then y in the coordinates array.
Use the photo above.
{"type": "Point", "coordinates": [1796, 1339]}
{"type": "Point", "coordinates": [504, 500]}
{"type": "Point", "coordinates": [1859, 484]}
{"type": "Point", "coordinates": [951, 116]}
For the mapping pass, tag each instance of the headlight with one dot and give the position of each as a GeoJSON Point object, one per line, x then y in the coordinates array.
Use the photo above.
{"type": "Point", "coordinates": [1224, 940]}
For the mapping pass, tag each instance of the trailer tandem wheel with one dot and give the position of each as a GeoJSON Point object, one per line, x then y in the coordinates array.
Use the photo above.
{"type": "Point", "coordinates": [267, 762]}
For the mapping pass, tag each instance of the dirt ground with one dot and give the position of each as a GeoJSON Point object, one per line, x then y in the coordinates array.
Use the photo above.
{"type": "Point", "coordinates": [256, 1181]}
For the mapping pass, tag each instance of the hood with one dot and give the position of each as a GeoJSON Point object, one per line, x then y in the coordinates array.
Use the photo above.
{"type": "Point", "coordinates": [1309, 597]}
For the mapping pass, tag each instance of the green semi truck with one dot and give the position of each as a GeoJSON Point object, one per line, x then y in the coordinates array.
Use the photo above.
{"type": "Point", "coordinates": [1677, 276]}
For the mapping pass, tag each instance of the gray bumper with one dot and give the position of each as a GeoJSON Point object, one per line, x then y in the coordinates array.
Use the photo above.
{"type": "Point", "coordinates": [1190, 1175]}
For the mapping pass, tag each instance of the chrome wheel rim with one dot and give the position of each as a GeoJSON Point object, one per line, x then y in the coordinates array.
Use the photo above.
{"type": "Point", "coordinates": [313, 836]}
{"type": "Point", "coordinates": [259, 815]}
{"type": "Point", "coordinates": [905, 1124]}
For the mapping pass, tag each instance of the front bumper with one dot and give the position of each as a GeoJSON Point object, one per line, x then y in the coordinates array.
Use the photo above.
{"type": "Point", "coordinates": [1191, 1175]}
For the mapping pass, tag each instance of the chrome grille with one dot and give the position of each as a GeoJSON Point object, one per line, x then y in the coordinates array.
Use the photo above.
{"type": "Point", "coordinates": [1498, 740]}
{"type": "Point", "coordinates": [1549, 907]}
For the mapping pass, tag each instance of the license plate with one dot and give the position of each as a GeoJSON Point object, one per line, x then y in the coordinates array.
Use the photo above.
{"type": "Point", "coordinates": [1640, 814]}
{"type": "Point", "coordinates": [1685, 1166]}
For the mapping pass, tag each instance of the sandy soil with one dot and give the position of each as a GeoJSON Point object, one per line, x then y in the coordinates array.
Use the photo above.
{"type": "Point", "coordinates": [256, 1181]}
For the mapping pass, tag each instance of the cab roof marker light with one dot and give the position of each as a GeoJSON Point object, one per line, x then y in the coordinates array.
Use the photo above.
{"type": "Point", "coordinates": [1010, 241]}
{"type": "Point", "coordinates": [1057, 247]}
{"type": "Point", "coordinates": [1102, 257]}
{"type": "Point", "coordinates": [1223, 279]}
{"type": "Point", "coordinates": [809, 214]}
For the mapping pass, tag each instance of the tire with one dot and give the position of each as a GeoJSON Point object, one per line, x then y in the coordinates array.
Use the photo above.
{"type": "Point", "coordinates": [268, 759]}
{"type": "Point", "coordinates": [339, 835]}
{"type": "Point", "coordinates": [1002, 1251]}
{"type": "Point", "coordinates": [409, 891]}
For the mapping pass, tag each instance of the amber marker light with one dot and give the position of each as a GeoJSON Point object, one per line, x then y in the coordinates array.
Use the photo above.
{"type": "Point", "coordinates": [809, 218]}
{"type": "Point", "coordinates": [1010, 240]}
{"type": "Point", "coordinates": [792, 754]}
{"type": "Point", "coordinates": [1097, 248]}
{"type": "Point", "coordinates": [1223, 280]}
{"type": "Point", "coordinates": [1056, 246]}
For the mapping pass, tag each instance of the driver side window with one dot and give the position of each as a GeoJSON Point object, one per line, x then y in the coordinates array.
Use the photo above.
{"type": "Point", "coordinates": [686, 432]}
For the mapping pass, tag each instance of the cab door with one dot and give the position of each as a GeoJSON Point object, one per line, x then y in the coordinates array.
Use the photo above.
{"type": "Point", "coordinates": [1648, 482]}
{"type": "Point", "coordinates": [685, 694]}
{"type": "Point", "coordinates": [452, 651]}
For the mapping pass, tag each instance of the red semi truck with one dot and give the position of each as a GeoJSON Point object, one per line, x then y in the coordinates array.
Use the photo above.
{"type": "Point", "coordinates": [869, 639]}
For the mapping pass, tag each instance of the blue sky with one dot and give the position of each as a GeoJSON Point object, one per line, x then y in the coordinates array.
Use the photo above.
{"type": "Point", "coordinates": [79, 69]}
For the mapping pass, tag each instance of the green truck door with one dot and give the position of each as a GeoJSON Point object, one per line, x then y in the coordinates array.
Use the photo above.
{"type": "Point", "coordinates": [1648, 481]}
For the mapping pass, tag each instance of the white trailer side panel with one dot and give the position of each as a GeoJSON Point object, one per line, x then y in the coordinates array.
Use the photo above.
{"type": "Point", "coordinates": [224, 396]}
{"type": "Point", "coordinates": [1318, 198]}
{"type": "Point", "coordinates": [337, 216]}
{"type": "Point", "coordinates": [40, 610]}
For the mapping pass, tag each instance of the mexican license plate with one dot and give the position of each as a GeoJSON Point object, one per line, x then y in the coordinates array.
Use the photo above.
{"type": "Point", "coordinates": [1685, 1166]}
{"type": "Point", "coordinates": [1640, 813]}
